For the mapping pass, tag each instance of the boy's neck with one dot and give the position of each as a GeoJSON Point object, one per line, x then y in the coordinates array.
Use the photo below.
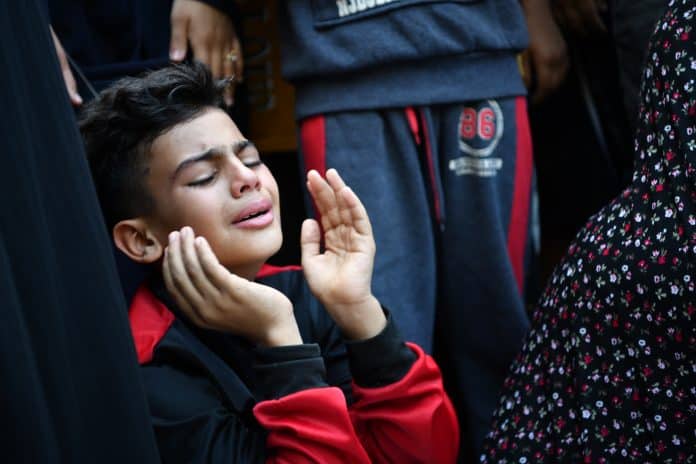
{"type": "Point", "coordinates": [248, 272]}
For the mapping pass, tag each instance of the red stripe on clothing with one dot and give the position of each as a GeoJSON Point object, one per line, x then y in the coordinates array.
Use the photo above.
{"type": "Point", "coordinates": [519, 216]}
{"type": "Point", "coordinates": [310, 426]}
{"type": "Point", "coordinates": [411, 420]}
{"type": "Point", "coordinates": [431, 169]}
{"type": "Point", "coordinates": [413, 124]}
{"type": "Point", "coordinates": [269, 270]}
{"type": "Point", "coordinates": [149, 320]}
{"type": "Point", "coordinates": [313, 139]}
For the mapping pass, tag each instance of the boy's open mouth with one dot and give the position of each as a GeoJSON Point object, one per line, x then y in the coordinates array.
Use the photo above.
{"type": "Point", "coordinates": [258, 213]}
{"type": "Point", "coordinates": [252, 216]}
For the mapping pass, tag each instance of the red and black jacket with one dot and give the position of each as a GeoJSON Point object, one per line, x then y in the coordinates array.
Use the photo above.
{"type": "Point", "coordinates": [216, 398]}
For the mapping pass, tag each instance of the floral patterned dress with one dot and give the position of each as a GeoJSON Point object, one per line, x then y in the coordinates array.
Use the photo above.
{"type": "Point", "coordinates": [608, 371]}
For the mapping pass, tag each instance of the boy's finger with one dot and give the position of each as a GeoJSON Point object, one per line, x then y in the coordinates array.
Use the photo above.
{"type": "Point", "coordinates": [314, 185]}
{"type": "Point", "coordinates": [310, 237]}
{"type": "Point", "coordinates": [214, 271]}
{"type": "Point", "coordinates": [334, 179]}
{"type": "Point", "coordinates": [166, 274]}
{"type": "Point", "coordinates": [349, 202]}
{"type": "Point", "coordinates": [337, 184]}
{"type": "Point", "coordinates": [180, 278]}
{"type": "Point", "coordinates": [193, 266]}
{"type": "Point", "coordinates": [173, 291]}
{"type": "Point", "coordinates": [359, 217]}
{"type": "Point", "coordinates": [325, 200]}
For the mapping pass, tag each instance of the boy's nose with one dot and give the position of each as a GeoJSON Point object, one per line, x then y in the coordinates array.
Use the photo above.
{"type": "Point", "coordinates": [244, 179]}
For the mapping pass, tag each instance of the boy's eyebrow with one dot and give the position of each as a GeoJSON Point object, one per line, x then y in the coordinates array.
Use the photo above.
{"type": "Point", "coordinates": [211, 153]}
{"type": "Point", "coordinates": [238, 147]}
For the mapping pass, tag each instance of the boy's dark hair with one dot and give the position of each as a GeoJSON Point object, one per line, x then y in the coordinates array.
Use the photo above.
{"type": "Point", "coordinates": [119, 126]}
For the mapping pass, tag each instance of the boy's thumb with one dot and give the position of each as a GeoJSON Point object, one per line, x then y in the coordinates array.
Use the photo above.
{"type": "Point", "coordinates": [310, 238]}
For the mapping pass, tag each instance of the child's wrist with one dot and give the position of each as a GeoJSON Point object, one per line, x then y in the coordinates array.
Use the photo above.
{"type": "Point", "coordinates": [361, 320]}
{"type": "Point", "coordinates": [283, 334]}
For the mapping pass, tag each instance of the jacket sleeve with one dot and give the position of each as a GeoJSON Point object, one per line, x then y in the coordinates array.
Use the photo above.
{"type": "Point", "coordinates": [307, 421]}
{"type": "Point", "coordinates": [310, 426]}
{"type": "Point", "coordinates": [401, 412]}
{"type": "Point", "coordinates": [198, 419]}
{"type": "Point", "coordinates": [193, 421]}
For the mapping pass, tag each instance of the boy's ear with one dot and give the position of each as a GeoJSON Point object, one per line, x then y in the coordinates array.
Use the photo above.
{"type": "Point", "coordinates": [134, 238]}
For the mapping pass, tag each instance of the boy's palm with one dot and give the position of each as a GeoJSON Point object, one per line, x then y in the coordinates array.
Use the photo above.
{"type": "Point", "coordinates": [214, 298]}
{"type": "Point", "coordinates": [341, 276]}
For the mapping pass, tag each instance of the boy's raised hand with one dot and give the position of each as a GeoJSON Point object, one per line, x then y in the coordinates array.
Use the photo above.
{"type": "Point", "coordinates": [214, 298]}
{"type": "Point", "coordinates": [341, 276]}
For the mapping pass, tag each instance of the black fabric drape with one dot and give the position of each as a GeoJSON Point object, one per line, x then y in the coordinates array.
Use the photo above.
{"type": "Point", "coordinates": [70, 390]}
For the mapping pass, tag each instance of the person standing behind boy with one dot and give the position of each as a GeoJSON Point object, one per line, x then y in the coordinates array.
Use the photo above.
{"type": "Point", "coordinates": [237, 369]}
{"type": "Point", "coordinates": [421, 107]}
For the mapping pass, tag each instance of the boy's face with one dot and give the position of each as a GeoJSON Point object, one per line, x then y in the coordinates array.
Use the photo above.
{"type": "Point", "coordinates": [205, 174]}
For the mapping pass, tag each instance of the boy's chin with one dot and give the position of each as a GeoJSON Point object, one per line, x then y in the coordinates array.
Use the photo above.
{"type": "Point", "coordinates": [250, 266]}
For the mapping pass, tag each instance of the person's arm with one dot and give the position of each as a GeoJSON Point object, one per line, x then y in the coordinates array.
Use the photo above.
{"type": "Point", "coordinates": [301, 421]}
{"type": "Point", "coordinates": [306, 420]}
{"type": "Point", "coordinates": [401, 412]}
{"type": "Point", "coordinates": [581, 18]}
{"type": "Point", "coordinates": [68, 78]}
{"type": "Point", "coordinates": [546, 59]}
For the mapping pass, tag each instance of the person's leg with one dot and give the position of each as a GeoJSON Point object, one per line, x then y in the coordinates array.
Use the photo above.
{"type": "Point", "coordinates": [485, 164]}
{"type": "Point", "coordinates": [376, 154]}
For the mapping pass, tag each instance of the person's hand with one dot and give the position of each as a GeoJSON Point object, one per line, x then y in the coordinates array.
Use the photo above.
{"type": "Point", "coordinates": [581, 18]}
{"type": "Point", "coordinates": [68, 77]}
{"type": "Point", "coordinates": [213, 298]}
{"type": "Point", "coordinates": [213, 41]}
{"type": "Point", "coordinates": [341, 276]}
{"type": "Point", "coordinates": [545, 62]}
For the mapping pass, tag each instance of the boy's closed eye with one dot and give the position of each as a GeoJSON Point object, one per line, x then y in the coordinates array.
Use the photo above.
{"type": "Point", "coordinates": [244, 150]}
{"type": "Point", "coordinates": [204, 180]}
{"type": "Point", "coordinates": [249, 155]}
{"type": "Point", "coordinates": [252, 163]}
{"type": "Point", "coordinates": [209, 178]}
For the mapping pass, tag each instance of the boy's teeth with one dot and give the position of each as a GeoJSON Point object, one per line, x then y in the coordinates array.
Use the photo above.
{"type": "Point", "coordinates": [253, 215]}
